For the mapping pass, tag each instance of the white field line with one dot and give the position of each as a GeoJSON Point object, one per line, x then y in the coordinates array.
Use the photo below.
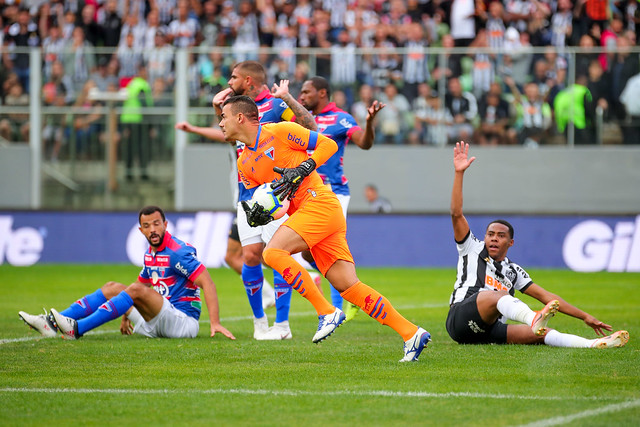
{"type": "Point", "coordinates": [360, 393]}
{"type": "Point", "coordinates": [615, 407]}
{"type": "Point", "coordinates": [223, 320]}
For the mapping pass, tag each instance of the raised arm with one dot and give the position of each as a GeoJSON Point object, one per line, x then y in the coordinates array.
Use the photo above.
{"type": "Point", "coordinates": [460, 164]}
{"type": "Point", "coordinates": [205, 282]}
{"type": "Point", "coordinates": [303, 116]}
{"type": "Point", "coordinates": [364, 138]}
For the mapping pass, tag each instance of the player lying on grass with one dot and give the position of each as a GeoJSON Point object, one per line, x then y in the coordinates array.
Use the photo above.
{"type": "Point", "coordinates": [277, 152]}
{"type": "Point", "coordinates": [163, 302]}
{"type": "Point", "coordinates": [486, 281]}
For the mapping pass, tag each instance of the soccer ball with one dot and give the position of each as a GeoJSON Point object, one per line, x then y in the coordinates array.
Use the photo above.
{"type": "Point", "coordinates": [269, 201]}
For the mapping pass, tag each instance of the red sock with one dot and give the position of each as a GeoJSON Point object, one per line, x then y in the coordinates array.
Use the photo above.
{"type": "Point", "coordinates": [378, 307]}
{"type": "Point", "coordinates": [299, 278]}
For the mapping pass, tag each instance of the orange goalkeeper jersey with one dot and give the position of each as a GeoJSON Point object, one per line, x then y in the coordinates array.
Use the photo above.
{"type": "Point", "coordinates": [285, 145]}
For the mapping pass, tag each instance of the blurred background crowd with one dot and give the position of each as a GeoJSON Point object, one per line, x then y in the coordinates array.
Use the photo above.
{"type": "Point", "coordinates": [489, 72]}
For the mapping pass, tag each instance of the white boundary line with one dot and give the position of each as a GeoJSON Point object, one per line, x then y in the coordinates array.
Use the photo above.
{"type": "Point", "coordinates": [361, 393]}
{"type": "Point", "coordinates": [615, 407]}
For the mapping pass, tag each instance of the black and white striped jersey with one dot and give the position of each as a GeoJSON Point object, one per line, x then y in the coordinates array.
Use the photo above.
{"type": "Point", "coordinates": [478, 272]}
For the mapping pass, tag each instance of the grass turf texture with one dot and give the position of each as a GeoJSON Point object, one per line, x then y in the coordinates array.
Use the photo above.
{"type": "Point", "coordinates": [353, 377]}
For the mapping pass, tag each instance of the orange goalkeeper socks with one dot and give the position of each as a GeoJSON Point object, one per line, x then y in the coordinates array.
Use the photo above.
{"type": "Point", "coordinates": [378, 307]}
{"type": "Point", "coordinates": [299, 278]}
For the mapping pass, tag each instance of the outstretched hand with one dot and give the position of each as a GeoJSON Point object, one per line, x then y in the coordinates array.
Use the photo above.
{"type": "Point", "coordinates": [279, 91]}
{"type": "Point", "coordinates": [461, 160]}
{"type": "Point", "coordinates": [597, 325]}
{"type": "Point", "coordinates": [224, 331]}
{"type": "Point", "coordinates": [375, 107]}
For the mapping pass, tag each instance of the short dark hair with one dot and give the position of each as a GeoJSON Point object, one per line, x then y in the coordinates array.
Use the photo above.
{"type": "Point", "coordinates": [148, 210]}
{"type": "Point", "coordinates": [245, 105]}
{"type": "Point", "coordinates": [253, 69]}
{"type": "Point", "coordinates": [321, 83]}
{"type": "Point", "coordinates": [503, 222]}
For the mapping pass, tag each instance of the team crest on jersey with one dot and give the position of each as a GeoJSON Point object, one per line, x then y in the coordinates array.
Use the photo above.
{"type": "Point", "coordinates": [511, 275]}
{"type": "Point", "coordinates": [269, 152]}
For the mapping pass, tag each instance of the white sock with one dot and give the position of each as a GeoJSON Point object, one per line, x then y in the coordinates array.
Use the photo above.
{"type": "Point", "coordinates": [514, 309]}
{"type": "Point", "coordinates": [558, 339]}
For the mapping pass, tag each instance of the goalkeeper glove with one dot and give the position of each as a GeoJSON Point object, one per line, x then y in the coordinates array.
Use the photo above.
{"type": "Point", "coordinates": [286, 187]}
{"type": "Point", "coordinates": [256, 214]}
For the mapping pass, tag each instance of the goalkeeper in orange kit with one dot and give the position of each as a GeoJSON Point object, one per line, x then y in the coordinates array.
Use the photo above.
{"type": "Point", "coordinates": [277, 153]}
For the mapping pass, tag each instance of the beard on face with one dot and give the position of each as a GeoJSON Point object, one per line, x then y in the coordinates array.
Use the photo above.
{"type": "Point", "coordinates": [160, 236]}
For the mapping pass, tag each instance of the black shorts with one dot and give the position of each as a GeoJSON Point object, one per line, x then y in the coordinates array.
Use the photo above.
{"type": "Point", "coordinates": [233, 231]}
{"type": "Point", "coordinates": [465, 325]}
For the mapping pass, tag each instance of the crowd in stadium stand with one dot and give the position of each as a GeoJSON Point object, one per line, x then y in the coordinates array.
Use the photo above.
{"type": "Point", "coordinates": [511, 98]}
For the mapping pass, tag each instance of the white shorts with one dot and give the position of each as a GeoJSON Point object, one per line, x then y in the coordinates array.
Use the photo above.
{"type": "Point", "coordinates": [344, 202]}
{"type": "Point", "coordinates": [169, 323]}
{"type": "Point", "coordinates": [250, 235]}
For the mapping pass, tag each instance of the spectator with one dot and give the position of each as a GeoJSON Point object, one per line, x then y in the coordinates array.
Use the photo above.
{"type": "Point", "coordinates": [138, 28]}
{"type": "Point", "coordinates": [79, 59]}
{"type": "Point", "coordinates": [208, 23]}
{"type": "Point", "coordinates": [130, 58]}
{"type": "Point", "coordinates": [245, 34]}
{"type": "Point", "coordinates": [183, 31]}
{"type": "Point", "coordinates": [227, 21]}
{"type": "Point", "coordinates": [534, 115]}
{"type": "Point", "coordinates": [58, 89]}
{"type": "Point", "coordinates": [414, 63]}
{"type": "Point", "coordinates": [377, 203]}
{"type": "Point", "coordinates": [92, 31]}
{"type": "Point", "coordinates": [495, 117]}
{"type": "Point", "coordinates": [343, 64]}
{"type": "Point", "coordinates": [361, 22]}
{"type": "Point", "coordinates": [630, 98]}
{"type": "Point", "coordinates": [16, 126]}
{"type": "Point", "coordinates": [52, 49]}
{"type": "Point", "coordinates": [285, 42]}
{"type": "Point", "coordinates": [600, 86]}
{"type": "Point", "coordinates": [462, 21]}
{"type": "Point", "coordinates": [483, 73]}
{"type": "Point", "coordinates": [112, 24]}
{"type": "Point", "coordinates": [431, 118]}
{"type": "Point", "coordinates": [452, 66]}
{"type": "Point", "coordinates": [463, 107]}
{"type": "Point", "coordinates": [395, 120]}
{"type": "Point", "coordinates": [160, 60]}
{"type": "Point", "coordinates": [302, 14]}
{"type": "Point", "coordinates": [22, 34]}
{"type": "Point", "coordinates": [623, 68]}
{"type": "Point", "coordinates": [101, 76]}
{"type": "Point", "coordinates": [85, 123]}
{"type": "Point", "coordinates": [562, 24]}
{"type": "Point", "coordinates": [266, 21]}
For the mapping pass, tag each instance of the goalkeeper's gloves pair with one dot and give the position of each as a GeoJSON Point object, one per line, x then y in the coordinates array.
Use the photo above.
{"type": "Point", "coordinates": [285, 187]}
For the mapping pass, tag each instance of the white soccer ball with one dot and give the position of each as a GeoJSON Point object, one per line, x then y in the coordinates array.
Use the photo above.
{"type": "Point", "coordinates": [269, 201]}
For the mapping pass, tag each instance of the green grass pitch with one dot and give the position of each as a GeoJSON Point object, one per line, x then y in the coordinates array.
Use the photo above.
{"type": "Point", "coordinates": [353, 378]}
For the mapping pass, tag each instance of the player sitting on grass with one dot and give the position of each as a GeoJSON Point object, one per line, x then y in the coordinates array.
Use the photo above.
{"type": "Point", "coordinates": [486, 281]}
{"type": "Point", "coordinates": [163, 302]}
